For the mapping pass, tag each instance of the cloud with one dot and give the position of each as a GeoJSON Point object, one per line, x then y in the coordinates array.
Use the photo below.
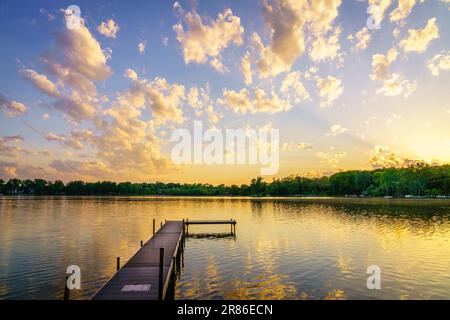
{"type": "Point", "coordinates": [336, 129]}
{"type": "Point", "coordinates": [162, 97]}
{"type": "Point", "coordinates": [362, 39]}
{"type": "Point", "coordinates": [81, 61]}
{"type": "Point", "coordinates": [418, 40]}
{"type": "Point", "coordinates": [440, 61]}
{"type": "Point", "coordinates": [247, 69]}
{"type": "Point", "coordinates": [55, 137]}
{"type": "Point", "coordinates": [382, 157]}
{"type": "Point", "coordinates": [381, 64]}
{"type": "Point", "coordinates": [293, 88]}
{"type": "Point", "coordinates": [294, 146]}
{"type": "Point", "coordinates": [203, 43]}
{"type": "Point", "coordinates": [83, 53]}
{"type": "Point", "coordinates": [326, 48]}
{"type": "Point", "coordinates": [217, 64]}
{"type": "Point", "coordinates": [403, 10]}
{"type": "Point", "coordinates": [331, 157]}
{"type": "Point", "coordinates": [287, 21]}
{"type": "Point", "coordinates": [9, 170]}
{"type": "Point", "coordinates": [16, 138]}
{"type": "Point", "coordinates": [41, 82]}
{"type": "Point", "coordinates": [330, 89]}
{"type": "Point", "coordinates": [378, 8]}
{"type": "Point", "coordinates": [78, 107]}
{"type": "Point", "coordinates": [75, 169]}
{"type": "Point", "coordinates": [109, 28]}
{"type": "Point", "coordinates": [12, 108]}
{"type": "Point", "coordinates": [397, 85]}
{"type": "Point", "coordinates": [257, 101]}
{"type": "Point", "coordinates": [11, 151]}
{"type": "Point", "coordinates": [141, 47]}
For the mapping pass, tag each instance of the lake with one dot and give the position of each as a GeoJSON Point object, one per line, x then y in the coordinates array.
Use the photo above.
{"type": "Point", "coordinates": [291, 248]}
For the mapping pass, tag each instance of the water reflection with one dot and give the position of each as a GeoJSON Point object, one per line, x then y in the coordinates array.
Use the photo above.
{"type": "Point", "coordinates": [283, 249]}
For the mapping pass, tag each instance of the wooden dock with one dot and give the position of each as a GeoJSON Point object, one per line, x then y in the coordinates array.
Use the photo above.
{"type": "Point", "coordinates": [140, 277]}
{"type": "Point", "coordinates": [149, 273]}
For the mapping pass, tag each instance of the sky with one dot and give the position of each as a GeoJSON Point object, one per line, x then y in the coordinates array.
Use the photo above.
{"type": "Point", "coordinates": [349, 85]}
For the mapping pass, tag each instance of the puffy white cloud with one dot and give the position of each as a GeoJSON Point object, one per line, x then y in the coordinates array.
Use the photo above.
{"type": "Point", "coordinates": [397, 85]}
{"type": "Point", "coordinates": [336, 129]}
{"type": "Point", "coordinates": [326, 48]}
{"type": "Point", "coordinates": [378, 8]}
{"type": "Point", "coordinates": [322, 13]}
{"type": "Point", "coordinates": [362, 38]}
{"type": "Point", "coordinates": [288, 21]}
{"type": "Point", "coordinates": [285, 20]}
{"type": "Point", "coordinates": [162, 97]}
{"type": "Point", "coordinates": [440, 61]}
{"type": "Point", "coordinates": [243, 101]}
{"type": "Point", "coordinates": [203, 43]}
{"type": "Point", "coordinates": [82, 62]}
{"type": "Point", "coordinates": [330, 89]}
{"type": "Point", "coordinates": [403, 10]}
{"type": "Point", "coordinates": [293, 88]}
{"type": "Point", "coordinates": [41, 82]}
{"type": "Point", "coordinates": [217, 64]}
{"type": "Point", "coordinates": [109, 28]}
{"type": "Point", "coordinates": [12, 108]}
{"type": "Point", "coordinates": [418, 40]}
{"type": "Point", "coordinates": [83, 54]}
{"type": "Point", "coordinates": [131, 74]}
{"type": "Point", "coordinates": [381, 64]}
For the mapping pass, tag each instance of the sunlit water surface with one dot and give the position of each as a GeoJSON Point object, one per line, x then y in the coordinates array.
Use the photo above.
{"type": "Point", "coordinates": [283, 249]}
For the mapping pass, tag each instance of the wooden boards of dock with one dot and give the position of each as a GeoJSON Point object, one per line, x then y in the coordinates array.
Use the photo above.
{"type": "Point", "coordinates": [148, 274]}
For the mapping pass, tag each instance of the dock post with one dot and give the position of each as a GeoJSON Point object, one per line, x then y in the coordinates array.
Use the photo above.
{"type": "Point", "coordinates": [66, 289]}
{"type": "Point", "coordinates": [161, 273]}
{"type": "Point", "coordinates": [118, 263]}
{"type": "Point", "coordinates": [142, 243]}
{"type": "Point", "coordinates": [153, 226]}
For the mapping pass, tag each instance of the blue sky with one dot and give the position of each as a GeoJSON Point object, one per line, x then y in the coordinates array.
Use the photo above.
{"type": "Point", "coordinates": [349, 108]}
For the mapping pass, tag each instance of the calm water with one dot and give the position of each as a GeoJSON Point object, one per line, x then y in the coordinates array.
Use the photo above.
{"type": "Point", "coordinates": [284, 248]}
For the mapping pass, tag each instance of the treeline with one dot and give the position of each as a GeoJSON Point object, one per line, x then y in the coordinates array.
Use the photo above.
{"type": "Point", "coordinates": [418, 179]}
